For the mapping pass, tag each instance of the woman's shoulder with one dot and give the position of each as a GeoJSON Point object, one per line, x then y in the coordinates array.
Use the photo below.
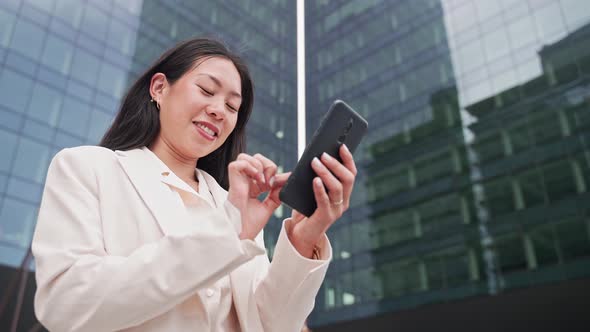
{"type": "Point", "coordinates": [85, 155]}
{"type": "Point", "coordinates": [85, 152]}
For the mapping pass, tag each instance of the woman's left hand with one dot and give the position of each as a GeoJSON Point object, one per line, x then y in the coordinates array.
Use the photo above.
{"type": "Point", "coordinates": [339, 179]}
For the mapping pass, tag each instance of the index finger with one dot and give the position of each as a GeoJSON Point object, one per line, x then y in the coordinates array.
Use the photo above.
{"type": "Point", "coordinates": [347, 159]}
{"type": "Point", "coordinates": [269, 168]}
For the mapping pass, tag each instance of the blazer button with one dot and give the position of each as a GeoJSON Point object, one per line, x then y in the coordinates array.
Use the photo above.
{"type": "Point", "coordinates": [210, 292]}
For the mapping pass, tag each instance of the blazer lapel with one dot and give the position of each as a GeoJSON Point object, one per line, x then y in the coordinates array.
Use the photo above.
{"type": "Point", "coordinates": [146, 176]}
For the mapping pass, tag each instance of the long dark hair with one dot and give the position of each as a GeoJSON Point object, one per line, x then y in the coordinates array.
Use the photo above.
{"type": "Point", "coordinates": [137, 124]}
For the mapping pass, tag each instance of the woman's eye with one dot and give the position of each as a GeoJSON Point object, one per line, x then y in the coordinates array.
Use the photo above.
{"type": "Point", "coordinates": [232, 108]}
{"type": "Point", "coordinates": [207, 92]}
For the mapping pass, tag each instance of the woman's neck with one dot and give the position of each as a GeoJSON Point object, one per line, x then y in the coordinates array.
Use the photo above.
{"type": "Point", "coordinates": [183, 167]}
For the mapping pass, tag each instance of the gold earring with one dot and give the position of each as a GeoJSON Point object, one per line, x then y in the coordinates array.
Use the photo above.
{"type": "Point", "coordinates": [157, 103]}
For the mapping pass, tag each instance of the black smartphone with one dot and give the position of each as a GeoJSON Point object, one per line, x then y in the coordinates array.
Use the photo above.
{"type": "Point", "coordinates": [340, 125]}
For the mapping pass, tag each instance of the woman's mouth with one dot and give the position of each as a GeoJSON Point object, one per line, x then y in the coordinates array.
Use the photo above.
{"type": "Point", "coordinates": [206, 130]}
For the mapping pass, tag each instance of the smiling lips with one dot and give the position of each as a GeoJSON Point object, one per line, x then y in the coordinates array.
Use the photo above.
{"type": "Point", "coordinates": [207, 130]}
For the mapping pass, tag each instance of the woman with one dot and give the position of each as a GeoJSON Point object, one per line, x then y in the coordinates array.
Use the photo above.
{"type": "Point", "coordinates": [131, 236]}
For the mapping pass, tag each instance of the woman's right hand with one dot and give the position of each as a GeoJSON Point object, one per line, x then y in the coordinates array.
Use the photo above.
{"type": "Point", "coordinates": [249, 177]}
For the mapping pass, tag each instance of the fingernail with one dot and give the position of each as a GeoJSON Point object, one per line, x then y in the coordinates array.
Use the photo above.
{"type": "Point", "coordinates": [326, 156]}
{"type": "Point", "coordinates": [345, 147]}
{"type": "Point", "coordinates": [316, 161]}
{"type": "Point", "coordinates": [271, 181]}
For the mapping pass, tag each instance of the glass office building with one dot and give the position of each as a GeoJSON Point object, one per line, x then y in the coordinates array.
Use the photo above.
{"type": "Point", "coordinates": [473, 177]}
{"type": "Point", "coordinates": [472, 193]}
{"type": "Point", "coordinates": [64, 67]}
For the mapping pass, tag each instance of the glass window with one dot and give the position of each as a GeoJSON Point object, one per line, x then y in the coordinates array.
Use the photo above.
{"type": "Point", "coordinates": [57, 54]}
{"type": "Point", "coordinates": [511, 254]}
{"type": "Point", "coordinates": [82, 91]}
{"type": "Point", "coordinates": [496, 43]}
{"type": "Point", "coordinates": [38, 130]}
{"type": "Point", "coordinates": [31, 160]}
{"type": "Point", "coordinates": [545, 246]}
{"type": "Point", "coordinates": [433, 168]}
{"type": "Point", "coordinates": [85, 67]}
{"type": "Point", "coordinates": [489, 148]}
{"type": "Point", "coordinates": [74, 117]}
{"type": "Point", "coordinates": [545, 126]}
{"type": "Point", "coordinates": [64, 140]}
{"type": "Point", "coordinates": [7, 149]}
{"type": "Point", "coordinates": [487, 9]}
{"type": "Point", "coordinates": [522, 32]}
{"type": "Point", "coordinates": [112, 80]}
{"type": "Point", "coordinates": [45, 5]}
{"type": "Point", "coordinates": [471, 56]}
{"type": "Point", "coordinates": [499, 197]}
{"type": "Point", "coordinates": [520, 137]}
{"type": "Point", "coordinates": [533, 191]}
{"type": "Point", "coordinates": [574, 239]}
{"type": "Point", "coordinates": [27, 39]}
{"type": "Point", "coordinates": [3, 178]}
{"type": "Point", "coordinates": [504, 81]}
{"type": "Point", "coordinates": [549, 21]}
{"type": "Point", "coordinates": [463, 17]}
{"type": "Point", "coordinates": [45, 104]}
{"type": "Point", "coordinates": [6, 24]}
{"type": "Point", "coordinates": [70, 11]}
{"type": "Point", "coordinates": [132, 6]}
{"type": "Point", "coordinates": [25, 190]}
{"type": "Point", "coordinates": [121, 37]}
{"type": "Point", "coordinates": [17, 222]}
{"type": "Point", "coordinates": [559, 180]}
{"type": "Point", "coordinates": [576, 12]}
{"type": "Point", "coordinates": [99, 122]}
{"type": "Point", "coordinates": [15, 90]}
{"type": "Point", "coordinates": [95, 22]}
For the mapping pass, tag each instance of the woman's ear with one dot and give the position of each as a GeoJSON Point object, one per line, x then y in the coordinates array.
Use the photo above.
{"type": "Point", "coordinates": [158, 85]}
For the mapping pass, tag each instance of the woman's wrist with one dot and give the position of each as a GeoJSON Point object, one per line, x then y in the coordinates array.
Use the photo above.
{"type": "Point", "coordinates": [304, 241]}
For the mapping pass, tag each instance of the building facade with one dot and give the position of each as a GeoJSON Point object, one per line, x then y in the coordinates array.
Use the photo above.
{"type": "Point", "coordinates": [472, 191]}
{"type": "Point", "coordinates": [66, 64]}
{"type": "Point", "coordinates": [473, 176]}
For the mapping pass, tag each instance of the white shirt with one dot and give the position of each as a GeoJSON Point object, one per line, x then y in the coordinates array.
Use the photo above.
{"type": "Point", "coordinates": [217, 300]}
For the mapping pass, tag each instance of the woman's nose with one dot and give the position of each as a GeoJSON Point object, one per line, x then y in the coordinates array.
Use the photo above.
{"type": "Point", "coordinates": [216, 109]}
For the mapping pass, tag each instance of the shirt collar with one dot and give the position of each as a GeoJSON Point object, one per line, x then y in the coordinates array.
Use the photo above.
{"type": "Point", "coordinates": [167, 176]}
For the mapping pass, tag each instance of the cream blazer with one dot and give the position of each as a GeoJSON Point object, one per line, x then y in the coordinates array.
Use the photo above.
{"type": "Point", "coordinates": [115, 250]}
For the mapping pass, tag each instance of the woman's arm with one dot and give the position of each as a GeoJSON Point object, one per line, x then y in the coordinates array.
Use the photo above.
{"type": "Point", "coordinates": [286, 294]}
{"type": "Point", "coordinates": [82, 288]}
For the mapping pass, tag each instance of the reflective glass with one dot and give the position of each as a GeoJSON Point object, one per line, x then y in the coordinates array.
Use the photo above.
{"type": "Point", "coordinates": [15, 90]}
{"type": "Point", "coordinates": [99, 123]}
{"type": "Point", "coordinates": [85, 67]}
{"type": "Point", "coordinates": [121, 37]}
{"type": "Point", "coordinates": [45, 5]}
{"type": "Point", "coordinates": [31, 160]}
{"type": "Point", "coordinates": [95, 22]}
{"type": "Point", "coordinates": [27, 38]}
{"type": "Point", "coordinates": [45, 104]}
{"type": "Point", "coordinates": [74, 117]}
{"type": "Point", "coordinates": [17, 222]}
{"type": "Point", "coordinates": [6, 25]}
{"type": "Point", "coordinates": [112, 80]}
{"type": "Point", "coordinates": [57, 54]}
{"type": "Point", "coordinates": [7, 149]}
{"type": "Point", "coordinates": [70, 11]}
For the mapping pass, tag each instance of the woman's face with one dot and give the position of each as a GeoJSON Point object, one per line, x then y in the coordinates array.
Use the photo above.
{"type": "Point", "coordinates": [200, 110]}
